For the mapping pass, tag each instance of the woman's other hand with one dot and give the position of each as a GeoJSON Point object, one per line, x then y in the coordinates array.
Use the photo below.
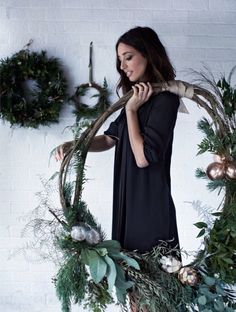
{"type": "Point", "coordinates": [62, 149]}
{"type": "Point", "coordinates": [142, 92]}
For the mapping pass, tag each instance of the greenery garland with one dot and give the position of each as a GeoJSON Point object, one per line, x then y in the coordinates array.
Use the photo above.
{"type": "Point", "coordinates": [92, 266]}
{"type": "Point", "coordinates": [41, 104]}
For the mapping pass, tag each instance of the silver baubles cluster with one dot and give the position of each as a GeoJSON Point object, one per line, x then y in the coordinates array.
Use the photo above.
{"type": "Point", "coordinates": [83, 232]}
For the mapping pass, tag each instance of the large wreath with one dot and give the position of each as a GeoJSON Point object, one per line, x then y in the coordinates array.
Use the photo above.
{"type": "Point", "coordinates": [32, 89]}
{"type": "Point", "coordinates": [93, 266]}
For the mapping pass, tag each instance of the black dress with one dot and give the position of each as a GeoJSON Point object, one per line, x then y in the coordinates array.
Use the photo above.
{"type": "Point", "coordinates": [143, 209]}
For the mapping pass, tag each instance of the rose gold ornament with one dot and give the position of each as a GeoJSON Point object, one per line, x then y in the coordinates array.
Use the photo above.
{"type": "Point", "coordinates": [188, 276]}
{"type": "Point", "coordinates": [230, 171]}
{"type": "Point", "coordinates": [216, 171]}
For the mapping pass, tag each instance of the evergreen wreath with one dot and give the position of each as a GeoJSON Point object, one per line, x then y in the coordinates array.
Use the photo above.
{"type": "Point", "coordinates": [40, 104]}
{"type": "Point", "coordinates": [91, 265]}
{"type": "Point", "coordinates": [84, 110]}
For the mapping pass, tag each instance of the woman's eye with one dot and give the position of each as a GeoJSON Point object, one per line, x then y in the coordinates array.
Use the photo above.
{"type": "Point", "coordinates": [128, 58]}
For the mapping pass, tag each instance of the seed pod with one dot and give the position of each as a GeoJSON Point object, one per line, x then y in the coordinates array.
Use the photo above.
{"type": "Point", "coordinates": [188, 276]}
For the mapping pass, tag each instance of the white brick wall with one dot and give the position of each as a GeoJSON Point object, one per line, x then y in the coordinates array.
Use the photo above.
{"type": "Point", "coordinates": [193, 32]}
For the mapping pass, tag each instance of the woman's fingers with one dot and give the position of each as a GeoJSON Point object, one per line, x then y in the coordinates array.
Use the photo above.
{"type": "Point", "coordinates": [144, 90]}
{"type": "Point", "coordinates": [141, 93]}
{"type": "Point", "coordinates": [150, 90]}
{"type": "Point", "coordinates": [135, 89]}
{"type": "Point", "coordinates": [59, 154]}
{"type": "Point", "coordinates": [61, 150]}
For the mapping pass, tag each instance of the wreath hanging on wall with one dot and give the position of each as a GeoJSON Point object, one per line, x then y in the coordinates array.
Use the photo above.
{"type": "Point", "coordinates": [92, 266]}
{"type": "Point", "coordinates": [82, 110]}
{"type": "Point", "coordinates": [32, 89]}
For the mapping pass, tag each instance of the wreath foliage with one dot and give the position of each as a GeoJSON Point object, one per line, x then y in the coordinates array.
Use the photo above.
{"type": "Point", "coordinates": [92, 266]}
{"type": "Point", "coordinates": [32, 89]}
{"type": "Point", "coordinates": [84, 110]}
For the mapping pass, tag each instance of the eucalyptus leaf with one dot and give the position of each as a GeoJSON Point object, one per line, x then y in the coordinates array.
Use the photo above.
{"type": "Point", "coordinates": [205, 291]}
{"type": "Point", "coordinates": [101, 251]}
{"type": "Point", "coordinates": [220, 290]}
{"type": "Point", "coordinates": [110, 245]}
{"type": "Point", "coordinates": [121, 281]}
{"type": "Point", "coordinates": [130, 261]}
{"type": "Point", "coordinates": [121, 295]}
{"type": "Point", "coordinates": [210, 281]}
{"type": "Point", "coordinates": [202, 300]}
{"type": "Point", "coordinates": [219, 306]}
{"type": "Point", "coordinates": [111, 273]}
{"type": "Point", "coordinates": [97, 266]}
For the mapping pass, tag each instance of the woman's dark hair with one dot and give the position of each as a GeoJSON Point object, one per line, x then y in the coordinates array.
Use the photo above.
{"type": "Point", "coordinates": [146, 41]}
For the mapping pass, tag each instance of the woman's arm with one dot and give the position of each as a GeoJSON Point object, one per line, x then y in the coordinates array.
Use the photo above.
{"type": "Point", "coordinates": [100, 143]}
{"type": "Point", "coordinates": [142, 93]}
{"type": "Point", "coordinates": [135, 138]}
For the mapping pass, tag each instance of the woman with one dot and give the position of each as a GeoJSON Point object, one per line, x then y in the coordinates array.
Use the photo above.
{"type": "Point", "coordinates": [143, 209]}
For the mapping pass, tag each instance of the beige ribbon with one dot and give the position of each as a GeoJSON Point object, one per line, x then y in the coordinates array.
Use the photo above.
{"type": "Point", "coordinates": [177, 87]}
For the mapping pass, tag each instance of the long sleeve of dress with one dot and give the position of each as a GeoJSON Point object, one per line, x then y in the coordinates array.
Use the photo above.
{"type": "Point", "coordinates": [112, 130]}
{"type": "Point", "coordinates": [159, 127]}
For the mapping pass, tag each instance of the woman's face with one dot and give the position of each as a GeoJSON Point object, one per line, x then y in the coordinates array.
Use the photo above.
{"type": "Point", "coordinates": [131, 62]}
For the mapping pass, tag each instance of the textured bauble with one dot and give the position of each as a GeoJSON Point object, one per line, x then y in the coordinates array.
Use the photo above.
{"type": "Point", "coordinates": [216, 171]}
{"type": "Point", "coordinates": [230, 171]}
{"type": "Point", "coordinates": [188, 276]}
{"type": "Point", "coordinates": [78, 233]}
{"type": "Point", "coordinates": [170, 264]}
{"type": "Point", "coordinates": [93, 237]}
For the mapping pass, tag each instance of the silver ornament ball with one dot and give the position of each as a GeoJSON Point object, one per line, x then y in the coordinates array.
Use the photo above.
{"type": "Point", "coordinates": [78, 233]}
{"type": "Point", "coordinates": [92, 237]}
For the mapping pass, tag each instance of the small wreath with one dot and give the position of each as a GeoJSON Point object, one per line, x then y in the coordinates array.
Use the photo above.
{"type": "Point", "coordinates": [32, 89]}
{"type": "Point", "coordinates": [84, 110]}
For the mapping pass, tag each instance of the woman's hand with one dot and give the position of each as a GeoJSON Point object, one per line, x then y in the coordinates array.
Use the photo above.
{"type": "Point", "coordinates": [62, 149]}
{"type": "Point", "coordinates": [142, 92]}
